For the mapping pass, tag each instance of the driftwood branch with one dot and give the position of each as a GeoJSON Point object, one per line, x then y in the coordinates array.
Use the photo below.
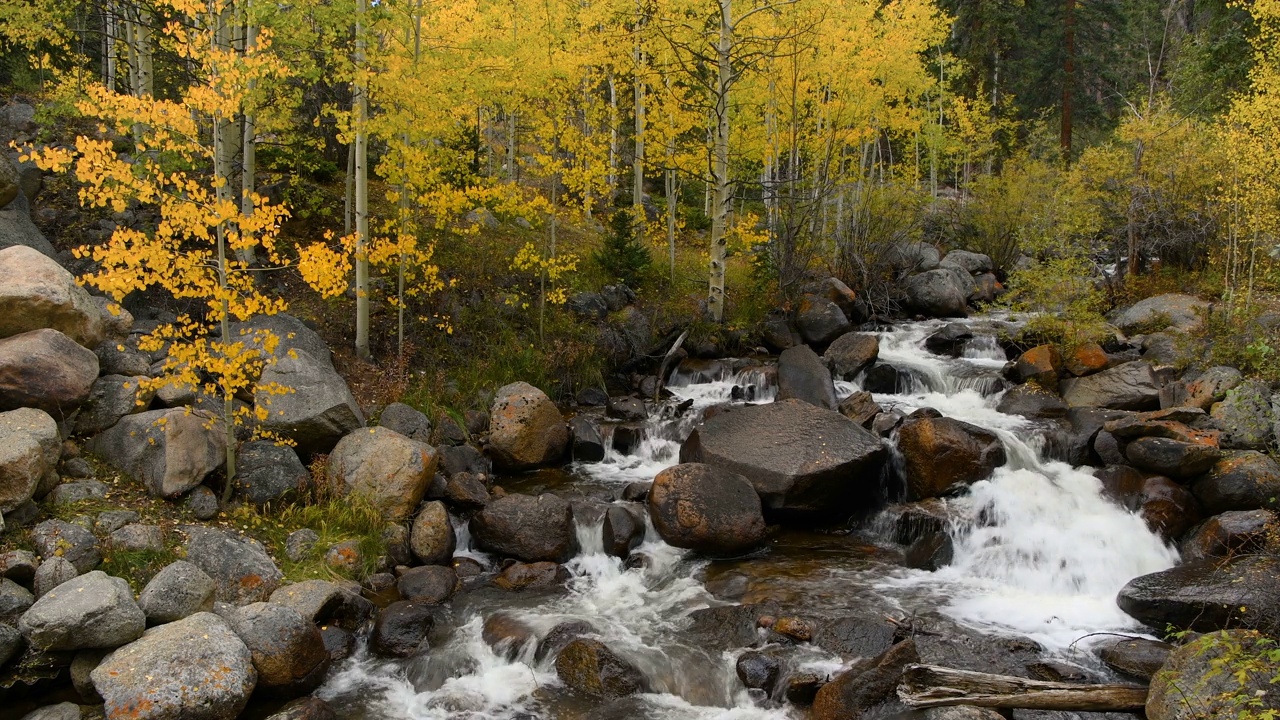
{"type": "Point", "coordinates": [933, 686]}
{"type": "Point", "coordinates": [666, 361]}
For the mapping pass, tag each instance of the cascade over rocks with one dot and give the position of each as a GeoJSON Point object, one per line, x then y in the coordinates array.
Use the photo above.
{"type": "Point", "coordinates": [527, 528]}
{"type": "Point", "coordinates": [1130, 386]}
{"type": "Point", "coordinates": [623, 530]}
{"type": "Point", "coordinates": [385, 468]}
{"type": "Point", "coordinates": [1193, 686]}
{"type": "Point", "coordinates": [47, 370]}
{"type": "Point", "coordinates": [1206, 595]}
{"type": "Point", "coordinates": [819, 320]}
{"type": "Point", "coordinates": [851, 353]}
{"type": "Point", "coordinates": [941, 454]}
{"type": "Point", "coordinates": [38, 293]}
{"type": "Point", "coordinates": [192, 669]}
{"type": "Point", "coordinates": [170, 451]}
{"type": "Point", "coordinates": [707, 509]}
{"type": "Point", "coordinates": [526, 429]}
{"type": "Point", "coordinates": [29, 451]}
{"type": "Point", "coordinates": [800, 458]}
{"type": "Point", "coordinates": [950, 340]}
{"type": "Point", "coordinates": [803, 376]}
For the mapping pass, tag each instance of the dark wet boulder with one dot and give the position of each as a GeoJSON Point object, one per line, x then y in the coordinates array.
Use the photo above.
{"type": "Point", "coordinates": [803, 376]}
{"type": "Point", "coordinates": [819, 320]}
{"type": "Point", "coordinates": [408, 421]}
{"type": "Point", "coordinates": [526, 429]}
{"type": "Point", "coordinates": [865, 685]}
{"type": "Point", "coordinates": [860, 407]}
{"type": "Point", "coordinates": [1183, 312]}
{"type": "Point", "coordinates": [937, 293]}
{"type": "Point", "coordinates": [758, 670]}
{"type": "Point", "coordinates": [586, 441]}
{"type": "Point", "coordinates": [561, 635]}
{"type": "Point", "coordinates": [1137, 657]}
{"type": "Point", "coordinates": [543, 575]}
{"type": "Point", "coordinates": [1129, 386]}
{"type": "Point", "coordinates": [851, 353]}
{"type": "Point", "coordinates": [47, 370]}
{"type": "Point", "coordinates": [383, 467]}
{"type": "Point", "coordinates": [268, 473]}
{"type": "Point", "coordinates": [287, 649]}
{"type": "Point", "coordinates": [402, 628]}
{"type": "Point", "coordinates": [801, 459]}
{"type": "Point", "coordinates": [170, 451]}
{"type": "Point", "coordinates": [885, 379]}
{"type": "Point", "coordinates": [466, 492]}
{"type": "Point", "coordinates": [1032, 401]}
{"type": "Point", "coordinates": [623, 530]}
{"type": "Point", "coordinates": [527, 528]}
{"type": "Point", "coordinates": [1168, 508]}
{"type": "Point", "coordinates": [432, 538]}
{"type": "Point", "coordinates": [950, 340]}
{"type": "Point", "coordinates": [855, 637]}
{"type": "Point", "coordinates": [707, 509]}
{"type": "Point", "coordinates": [1206, 595]}
{"type": "Point", "coordinates": [1231, 533]}
{"type": "Point", "coordinates": [1245, 480]}
{"type": "Point", "coordinates": [942, 454]}
{"type": "Point", "coordinates": [456, 459]}
{"type": "Point", "coordinates": [1173, 458]}
{"type": "Point", "coordinates": [506, 635]}
{"type": "Point", "coordinates": [627, 409]}
{"type": "Point", "coordinates": [728, 627]}
{"type": "Point", "coordinates": [930, 552]}
{"type": "Point", "coordinates": [431, 584]}
{"type": "Point", "coordinates": [1195, 684]}
{"type": "Point", "coordinates": [589, 667]}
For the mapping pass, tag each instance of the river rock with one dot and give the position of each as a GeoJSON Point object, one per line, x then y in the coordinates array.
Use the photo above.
{"type": "Point", "coordinates": [860, 407]}
{"type": "Point", "coordinates": [800, 458]}
{"type": "Point", "coordinates": [819, 320]}
{"type": "Point", "coordinates": [527, 528]}
{"type": "Point", "coordinates": [384, 467]}
{"type": "Point", "coordinates": [1245, 417]}
{"type": "Point", "coordinates": [136, 537]}
{"type": "Point", "coordinates": [587, 444]}
{"type": "Point", "coordinates": [202, 502]}
{"type": "Point", "coordinates": [177, 591]}
{"type": "Point", "coordinates": [855, 637]}
{"type": "Point", "coordinates": [937, 293]}
{"type": "Point", "coordinates": [408, 421]}
{"type": "Point", "coordinates": [1206, 595]}
{"type": "Point", "coordinates": [941, 454]}
{"type": "Point", "coordinates": [432, 539]}
{"type": "Point", "coordinates": [707, 509]}
{"type": "Point", "coordinates": [865, 685]}
{"type": "Point", "coordinates": [94, 610]}
{"type": "Point", "coordinates": [466, 492]}
{"type": "Point", "coordinates": [728, 627]}
{"type": "Point", "coordinates": [320, 408]}
{"type": "Point", "coordinates": [456, 459]}
{"type": "Point", "coordinates": [1245, 480]}
{"type": "Point", "coordinates": [16, 227]}
{"type": "Point", "coordinates": [61, 711]}
{"type": "Point", "coordinates": [971, 262]}
{"type": "Point", "coordinates": [402, 628]}
{"type": "Point", "coordinates": [192, 669]}
{"type": "Point", "coordinates": [14, 599]}
{"type": "Point", "coordinates": [58, 538]}
{"type": "Point", "coordinates": [431, 584]}
{"type": "Point", "coordinates": [506, 635]}
{"type": "Point", "coordinates": [19, 566]}
{"type": "Point", "coordinates": [530, 576]}
{"type": "Point", "coordinates": [52, 572]}
{"type": "Point", "coordinates": [758, 670]}
{"type": "Point", "coordinates": [1039, 365]}
{"type": "Point", "coordinates": [803, 376]}
{"type": "Point", "coordinates": [1232, 532]}
{"type": "Point", "coordinates": [1203, 391]}
{"type": "Point", "coordinates": [325, 603]}
{"type": "Point", "coordinates": [1129, 386]}
{"type": "Point", "coordinates": [526, 429]}
{"type": "Point", "coordinates": [1168, 508]}
{"type": "Point", "coordinates": [623, 531]}
{"type": "Point", "coordinates": [1086, 359]}
{"type": "Point", "coordinates": [268, 473]}
{"type": "Point", "coordinates": [241, 567]}
{"type": "Point", "coordinates": [1183, 312]}
{"type": "Point", "coordinates": [561, 635]}
{"type": "Point", "coordinates": [949, 341]}
{"type": "Point", "coordinates": [1137, 657]}
{"type": "Point", "coordinates": [29, 450]}
{"type": "Point", "coordinates": [171, 451]}
{"type": "Point", "coordinates": [842, 295]}
{"type": "Point", "coordinates": [38, 293]}
{"type": "Point", "coordinates": [47, 370]}
{"type": "Point", "coordinates": [1208, 679]}
{"type": "Point", "coordinates": [305, 708]}
{"type": "Point", "coordinates": [1181, 460]}
{"type": "Point", "coordinates": [286, 648]}
{"type": "Point", "coordinates": [1032, 401]}
{"type": "Point", "coordinates": [112, 397]}
{"type": "Point", "coordinates": [588, 666]}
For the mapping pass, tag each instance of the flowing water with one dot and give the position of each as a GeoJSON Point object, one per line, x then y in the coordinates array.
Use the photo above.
{"type": "Point", "coordinates": [1038, 553]}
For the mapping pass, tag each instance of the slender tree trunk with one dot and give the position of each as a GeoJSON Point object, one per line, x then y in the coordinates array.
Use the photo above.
{"type": "Point", "coordinates": [670, 182]}
{"type": "Point", "coordinates": [1068, 81]}
{"type": "Point", "coordinates": [249, 144]}
{"type": "Point", "coordinates": [221, 179]}
{"type": "Point", "coordinates": [613, 132]}
{"type": "Point", "coordinates": [1135, 200]}
{"type": "Point", "coordinates": [512, 127]}
{"type": "Point", "coordinates": [361, 192]}
{"type": "Point", "coordinates": [637, 182]}
{"type": "Point", "coordinates": [348, 205]}
{"type": "Point", "coordinates": [111, 25]}
{"type": "Point", "coordinates": [720, 165]}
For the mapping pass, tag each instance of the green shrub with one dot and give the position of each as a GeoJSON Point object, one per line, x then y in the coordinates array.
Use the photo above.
{"type": "Point", "coordinates": [1066, 307]}
{"type": "Point", "coordinates": [622, 254]}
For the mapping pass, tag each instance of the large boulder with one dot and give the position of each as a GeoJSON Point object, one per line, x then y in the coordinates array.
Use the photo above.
{"type": "Point", "coordinates": [192, 669]}
{"type": "Point", "coordinates": [29, 450]}
{"type": "Point", "coordinates": [111, 398]}
{"type": "Point", "coordinates": [800, 458]}
{"type": "Point", "coordinates": [971, 262]}
{"type": "Point", "coordinates": [941, 454]}
{"type": "Point", "coordinates": [1207, 595]}
{"type": "Point", "coordinates": [286, 647]}
{"type": "Point", "coordinates": [241, 567]}
{"type": "Point", "coordinates": [170, 451]}
{"type": "Point", "coordinates": [1032, 401]}
{"type": "Point", "coordinates": [803, 376]}
{"type": "Point", "coordinates": [268, 472]}
{"type": "Point", "coordinates": [316, 408]}
{"type": "Point", "coordinates": [385, 468]}
{"type": "Point", "coordinates": [1168, 508]}
{"type": "Point", "coordinates": [526, 429]}
{"type": "Point", "coordinates": [707, 509]}
{"type": "Point", "coordinates": [819, 320]}
{"type": "Point", "coordinates": [69, 541]}
{"type": "Point", "coordinates": [1183, 312]}
{"type": "Point", "coordinates": [177, 591]}
{"type": "Point", "coordinates": [408, 421]}
{"type": "Point", "coordinates": [402, 628]}
{"type": "Point", "coordinates": [1039, 365]}
{"type": "Point", "coordinates": [38, 293]}
{"type": "Point", "coordinates": [851, 353]}
{"type": "Point", "coordinates": [47, 370]}
{"type": "Point", "coordinates": [1130, 386]}
{"type": "Point", "coordinates": [1136, 657]}
{"type": "Point", "coordinates": [16, 227]}
{"type": "Point", "coordinates": [1219, 676]}
{"type": "Point", "coordinates": [325, 603]}
{"type": "Point", "coordinates": [588, 666]}
{"type": "Point", "coordinates": [1225, 535]}
{"type": "Point", "coordinates": [1173, 458]}
{"type": "Point", "coordinates": [1246, 480]}
{"type": "Point", "coordinates": [1245, 417]}
{"type": "Point", "coordinates": [527, 528]}
{"type": "Point", "coordinates": [1202, 390]}
{"type": "Point", "coordinates": [432, 538]}
{"type": "Point", "coordinates": [937, 293]}
{"type": "Point", "coordinates": [94, 610]}
{"type": "Point", "coordinates": [911, 257]}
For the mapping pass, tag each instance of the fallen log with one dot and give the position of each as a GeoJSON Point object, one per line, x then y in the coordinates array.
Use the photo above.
{"type": "Point", "coordinates": [933, 686]}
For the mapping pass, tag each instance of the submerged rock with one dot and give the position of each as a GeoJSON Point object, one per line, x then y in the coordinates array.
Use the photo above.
{"type": "Point", "coordinates": [590, 667]}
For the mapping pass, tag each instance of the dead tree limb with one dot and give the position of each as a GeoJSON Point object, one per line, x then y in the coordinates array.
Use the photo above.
{"type": "Point", "coordinates": [933, 686]}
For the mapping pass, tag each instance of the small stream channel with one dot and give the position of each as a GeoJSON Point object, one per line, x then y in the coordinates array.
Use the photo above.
{"type": "Point", "coordinates": [1039, 554]}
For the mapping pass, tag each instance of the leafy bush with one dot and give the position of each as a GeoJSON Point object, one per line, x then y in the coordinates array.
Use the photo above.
{"type": "Point", "coordinates": [1066, 305]}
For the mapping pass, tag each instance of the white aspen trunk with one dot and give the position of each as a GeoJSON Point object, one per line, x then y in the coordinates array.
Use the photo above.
{"type": "Point", "coordinates": [361, 192]}
{"type": "Point", "coordinates": [348, 206]}
{"type": "Point", "coordinates": [248, 144]}
{"type": "Point", "coordinates": [146, 68]}
{"type": "Point", "coordinates": [720, 165]}
{"type": "Point", "coordinates": [511, 145]}
{"type": "Point", "coordinates": [670, 182]}
{"type": "Point", "coordinates": [613, 132]}
{"type": "Point", "coordinates": [220, 179]}
{"type": "Point", "coordinates": [637, 182]}
{"type": "Point", "coordinates": [111, 25]}
{"type": "Point", "coordinates": [222, 123]}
